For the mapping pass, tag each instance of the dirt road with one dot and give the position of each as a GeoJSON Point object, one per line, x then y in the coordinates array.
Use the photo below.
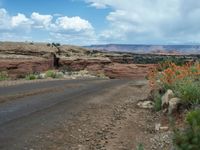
{"type": "Point", "coordinates": [75, 114]}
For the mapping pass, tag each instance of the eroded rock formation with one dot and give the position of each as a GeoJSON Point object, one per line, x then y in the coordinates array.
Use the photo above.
{"type": "Point", "coordinates": [19, 59]}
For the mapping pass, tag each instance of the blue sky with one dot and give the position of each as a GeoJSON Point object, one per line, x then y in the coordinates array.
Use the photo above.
{"type": "Point", "coordinates": [85, 22]}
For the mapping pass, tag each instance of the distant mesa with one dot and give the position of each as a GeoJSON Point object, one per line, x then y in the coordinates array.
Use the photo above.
{"type": "Point", "coordinates": [150, 49]}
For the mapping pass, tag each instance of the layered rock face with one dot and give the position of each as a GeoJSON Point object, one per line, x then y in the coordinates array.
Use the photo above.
{"type": "Point", "coordinates": [19, 59]}
{"type": "Point", "coordinates": [130, 71]}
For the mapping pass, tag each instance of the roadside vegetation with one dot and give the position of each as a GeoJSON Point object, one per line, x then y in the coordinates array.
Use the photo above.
{"type": "Point", "coordinates": [189, 138]}
{"type": "Point", "coordinates": [65, 73]}
{"type": "Point", "coordinates": [3, 76]}
{"type": "Point", "coordinates": [174, 87]}
{"type": "Point", "coordinates": [31, 77]}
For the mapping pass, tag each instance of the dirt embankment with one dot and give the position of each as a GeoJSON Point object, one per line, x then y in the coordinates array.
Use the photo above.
{"type": "Point", "coordinates": [19, 59]}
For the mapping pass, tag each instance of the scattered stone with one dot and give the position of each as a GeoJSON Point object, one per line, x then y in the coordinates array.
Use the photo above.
{"type": "Point", "coordinates": [157, 126]}
{"type": "Point", "coordinates": [79, 130]}
{"type": "Point", "coordinates": [166, 97]}
{"type": "Point", "coordinates": [146, 104]}
{"type": "Point", "coordinates": [165, 128]}
{"type": "Point", "coordinates": [173, 104]}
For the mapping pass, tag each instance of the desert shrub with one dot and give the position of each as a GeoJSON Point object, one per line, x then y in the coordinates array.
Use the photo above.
{"type": "Point", "coordinates": [59, 75]}
{"type": "Point", "coordinates": [48, 44]}
{"type": "Point", "coordinates": [175, 73]}
{"type": "Point", "coordinates": [50, 74]}
{"type": "Point", "coordinates": [188, 139]}
{"type": "Point", "coordinates": [183, 79]}
{"type": "Point", "coordinates": [30, 77]}
{"type": "Point", "coordinates": [188, 90]}
{"type": "Point", "coordinates": [101, 75]}
{"type": "Point", "coordinates": [157, 101]}
{"type": "Point", "coordinates": [56, 44]}
{"type": "Point", "coordinates": [166, 63]}
{"type": "Point", "coordinates": [140, 147]}
{"type": "Point", "coordinates": [3, 75]}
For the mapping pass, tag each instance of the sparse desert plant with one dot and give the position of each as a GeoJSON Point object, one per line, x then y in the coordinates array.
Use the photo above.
{"type": "Point", "coordinates": [56, 44]}
{"type": "Point", "coordinates": [30, 77]}
{"type": "Point", "coordinates": [157, 101]}
{"type": "Point", "coordinates": [188, 139]}
{"type": "Point", "coordinates": [48, 44]}
{"type": "Point", "coordinates": [140, 147]}
{"type": "Point", "coordinates": [102, 75]}
{"type": "Point", "coordinates": [3, 75]}
{"type": "Point", "coordinates": [50, 74]}
{"type": "Point", "coordinates": [188, 90]}
{"type": "Point", "coordinates": [59, 75]}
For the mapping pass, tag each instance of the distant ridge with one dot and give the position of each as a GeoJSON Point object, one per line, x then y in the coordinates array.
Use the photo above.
{"type": "Point", "coordinates": [157, 49]}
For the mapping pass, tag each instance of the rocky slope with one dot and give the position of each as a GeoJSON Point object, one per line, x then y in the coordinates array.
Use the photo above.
{"type": "Point", "coordinates": [19, 59]}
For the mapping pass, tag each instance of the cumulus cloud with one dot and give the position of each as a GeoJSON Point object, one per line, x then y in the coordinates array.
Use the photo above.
{"type": "Point", "coordinates": [74, 30]}
{"type": "Point", "coordinates": [20, 21]}
{"type": "Point", "coordinates": [152, 21]}
{"type": "Point", "coordinates": [11, 23]}
{"type": "Point", "coordinates": [41, 21]}
{"type": "Point", "coordinates": [55, 25]}
{"type": "Point", "coordinates": [74, 23]}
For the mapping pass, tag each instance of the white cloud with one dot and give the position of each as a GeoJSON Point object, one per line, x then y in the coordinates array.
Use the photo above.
{"type": "Point", "coordinates": [64, 27]}
{"type": "Point", "coordinates": [97, 4]}
{"type": "Point", "coordinates": [13, 23]}
{"type": "Point", "coordinates": [20, 21]}
{"type": "Point", "coordinates": [74, 30]}
{"type": "Point", "coordinates": [152, 21]}
{"type": "Point", "coordinates": [41, 21]}
{"type": "Point", "coordinates": [74, 24]}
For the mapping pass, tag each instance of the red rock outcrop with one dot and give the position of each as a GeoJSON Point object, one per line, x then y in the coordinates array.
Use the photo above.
{"type": "Point", "coordinates": [19, 68]}
{"type": "Point", "coordinates": [81, 64]}
{"type": "Point", "coordinates": [19, 59]}
{"type": "Point", "coordinates": [127, 71]}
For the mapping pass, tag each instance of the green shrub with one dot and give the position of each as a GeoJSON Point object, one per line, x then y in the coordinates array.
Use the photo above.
{"type": "Point", "coordinates": [48, 44]}
{"type": "Point", "coordinates": [189, 138]}
{"type": "Point", "coordinates": [30, 77]}
{"type": "Point", "coordinates": [157, 102]}
{"type": "Point", "coordinates": [188, 90]}
{"type": "Point", "coordinates": [3, 75]}
{"type": "Point", "coordinates": [140, 147]}
{"type": "Point", "coordinates": [50, 74]}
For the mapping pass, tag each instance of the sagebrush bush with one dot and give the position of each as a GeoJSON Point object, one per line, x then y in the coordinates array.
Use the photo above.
{"type": "Point", "coordinates": [140, 147]}
{"type": "Point", "coordinates": [50, 74]}
{"type": "Point", "coordinates": [188, 90]}
{"type": "Point", "coordinates": [189, 138]}
{"type": "Point", "coordinates": [30, 77]}
{"type": "Point", "coordinates": [53, 74]}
